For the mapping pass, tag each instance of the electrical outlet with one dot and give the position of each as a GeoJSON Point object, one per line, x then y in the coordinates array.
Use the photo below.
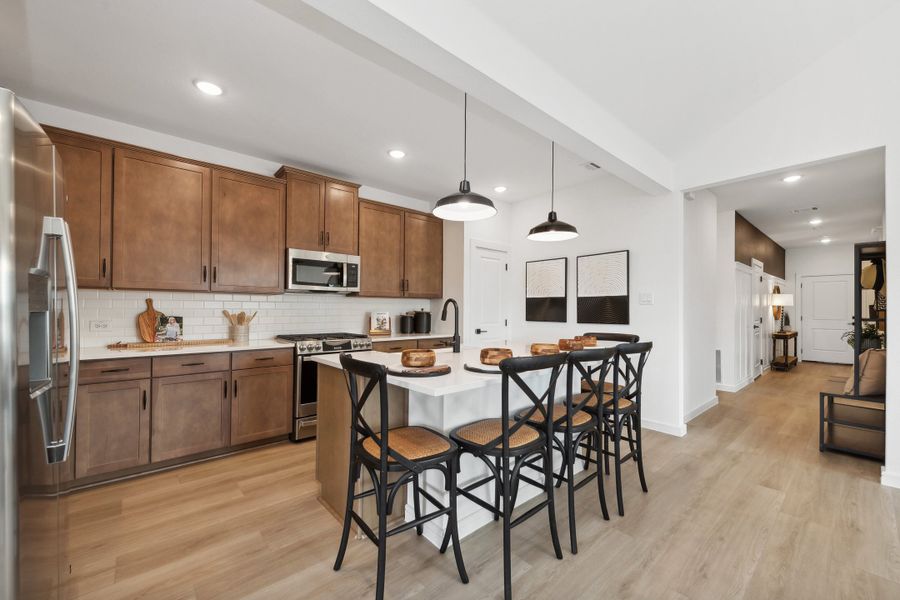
{"type": "Point", "coordinates": [99, 325]}
{"type": "Point", "coordinates": [645, 298]}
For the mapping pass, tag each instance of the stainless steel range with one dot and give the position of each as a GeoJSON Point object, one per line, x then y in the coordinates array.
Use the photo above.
{"type": "Point", "coordinates": [305, 373]}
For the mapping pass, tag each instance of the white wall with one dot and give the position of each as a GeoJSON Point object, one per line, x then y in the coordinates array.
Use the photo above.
{"type": "Point", "coordinates": [846, 101]}
{"type": "Point", "coordinates": [724, 292]}
{"type": "Point", "coordinates": [611, 215]}
{"type": "Point", "coordinates": [700, 263]}
{"type": "Point", "coordinates": [495, 230]}
{"type": "Point", "coordinates": [454, 278]}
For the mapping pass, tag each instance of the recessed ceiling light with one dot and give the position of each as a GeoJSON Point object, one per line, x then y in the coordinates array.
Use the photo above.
{"type": "Point", "coordinates": [825, 240]}
{"type": "Point", "coordinates": [815, 222]}
{"type": "Point", "coordinates": [792, 178]}
{"type": "Point", "coordinates": [396, 153]}
{"type": "Point", "coordinates": [500, 189]}
{"type": "Point", "coordinates": [208, 87]}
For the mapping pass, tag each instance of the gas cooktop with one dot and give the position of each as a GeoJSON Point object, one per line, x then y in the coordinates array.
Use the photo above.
{"type": "Point", "coordinates": [321, 343]}
{"type": "Point", "coordinates": [297, 337]}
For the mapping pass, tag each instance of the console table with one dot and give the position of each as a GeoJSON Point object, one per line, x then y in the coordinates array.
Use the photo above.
{"type": "Point", "coordinates": [784, 362]}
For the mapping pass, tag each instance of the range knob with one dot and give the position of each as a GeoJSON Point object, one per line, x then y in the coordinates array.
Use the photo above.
{"type": "Point", "coordinates": [318, 346]}
{"type": "Point", "coordinates": [310, 347]}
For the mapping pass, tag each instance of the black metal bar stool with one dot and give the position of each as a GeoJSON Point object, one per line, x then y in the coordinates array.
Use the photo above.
{"type": "Point", "coordinates": [406, 451]}
{"type": "Point", "coordinates": [577, 426]}
{"type": "Point", "coordinates": [622, 338]}
{"type": "Point", "coordinates": [505, 445]}
{"type": "Point", "coordinates": [621, 410]}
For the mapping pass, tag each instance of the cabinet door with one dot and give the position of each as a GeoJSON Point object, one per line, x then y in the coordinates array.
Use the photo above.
{"type": "Point", "coordinates": [87, 168]}
{"type": "Point", "coordinates": [161, 213]}
{"type": "Point", "coordinates": [341, 218]}
{"type": "Point", "coordinates": [423, 250]}
{"type": "Point", "coordinates": [247, 233]}
{"type": "Point", "coordinates": [380, 250]}
{"type": "Point", "coordinates": [305, 223]}
{"type": "Point", "coordinates": [112, 427]}
{"type": "Point", "coordinates": [190, 415]}
{"type": "Point", "coordinates": [261, 404]}
{"type": "Point", "coordinates": [396, 346]}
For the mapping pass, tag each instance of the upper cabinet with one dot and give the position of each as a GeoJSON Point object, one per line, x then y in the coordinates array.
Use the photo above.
{"type": "Point", "coordinates": [87, 168]}
{"type": "Point", "coordinates": [401, 252]}
{"type": "Point", "coordinates": [161, 222]}
{"type": "Point", "coordinates": [322, 214]}
{"type": "Point", "coordinates": [247, 233]}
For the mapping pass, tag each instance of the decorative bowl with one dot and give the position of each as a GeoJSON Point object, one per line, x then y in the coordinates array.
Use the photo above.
{"type": "Point", "coordinates": [417, 358]}
{"type": "Point", "coordinates": [493, 356]}
{"type": "Point", "coordinates": [539, 349]}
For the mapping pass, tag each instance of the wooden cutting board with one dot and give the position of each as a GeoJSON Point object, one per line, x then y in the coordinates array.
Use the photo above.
{"type": "Point", "coordinates": [435, 371]}
{"type": "Point", "coordinates": [147, 321]}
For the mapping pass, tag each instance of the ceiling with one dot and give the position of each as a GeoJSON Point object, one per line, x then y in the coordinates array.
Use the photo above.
{"type": "Point", "coordinates": [291, 95]}
{"type": "Point", "coordinates": [848, 192]}
{"type": "Point", "coordinates": [674, 72]}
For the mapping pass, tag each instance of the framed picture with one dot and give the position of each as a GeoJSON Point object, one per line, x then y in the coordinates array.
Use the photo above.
{"type": "Point", "coordinates": [380, 323]}
{"type": "Point", "coordinates": [545, 289]}
{"type": "Point", "coordinates": [602, 288]}
{"type": "Point", "coordinates": [169, 328]}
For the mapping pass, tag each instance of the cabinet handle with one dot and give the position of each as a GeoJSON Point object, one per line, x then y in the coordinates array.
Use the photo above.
{"type": "Point", "coordinates": [145, 399]}
{"type": "Point", "coordinates": [215, 274]}
{"type": "Point", "coordinates": [194, 364]}
{"type": "Point", "coordinates": [119, 370]}
{"type": "Point", "coordinates": [204, 273]}
{"type": "Point", "coordinates": [266, 358]}
{"type": "Point", "coordinates": [235, 388]}
{"type": "Point", "coordinates": [321, 238]}
{"type": "Point", "coordinates": [103, 268]}
{"type": "Point", "coordinates": [327, 238]}
{"type": "Point", "coordinates": [224, 389]}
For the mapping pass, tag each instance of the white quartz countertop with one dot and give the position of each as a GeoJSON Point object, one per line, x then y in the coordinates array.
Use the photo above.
{"type": "Point", "coordinates": [458, 380]}
{"type": "Point", "coordinates": [103, 353]}
{"type": "Point", "coordinates": [396, 337]}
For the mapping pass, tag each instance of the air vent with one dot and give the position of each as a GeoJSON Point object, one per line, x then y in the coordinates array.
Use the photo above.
{"type": "Point", "coordinates": [800, 211]}
{"type": "Point", "coordinates": [718, 366]}
{"type": "Point", "coordinates": [592, 166]}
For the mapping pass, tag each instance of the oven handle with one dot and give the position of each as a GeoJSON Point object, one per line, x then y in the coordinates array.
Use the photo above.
{"type": "Point", "coordinates": [298, 375]}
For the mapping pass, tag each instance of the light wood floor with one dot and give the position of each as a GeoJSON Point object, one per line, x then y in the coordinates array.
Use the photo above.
{"type": "Point", "coordinates": [744, 506]}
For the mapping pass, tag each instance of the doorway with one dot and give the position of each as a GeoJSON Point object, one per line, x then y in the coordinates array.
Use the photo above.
{"type": "Point", "coordinates": [826, 312]}
{"type": "Point", "coordinates": [487, 323]}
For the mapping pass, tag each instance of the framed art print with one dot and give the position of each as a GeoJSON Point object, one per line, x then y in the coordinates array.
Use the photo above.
{"type": "Point", "coordinates": [602, 288]}
{"type": "Point", "coordinates": [545, 290]}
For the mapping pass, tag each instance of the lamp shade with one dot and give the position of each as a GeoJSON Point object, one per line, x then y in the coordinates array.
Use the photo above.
{"type": "Point", "coordinates": [782, 299]}
{"type": "Point", "coordinates": [464, 206]}
{"type": "Point", "coordinates": [552, 230]}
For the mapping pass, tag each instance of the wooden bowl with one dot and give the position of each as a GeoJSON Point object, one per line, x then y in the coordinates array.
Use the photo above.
{"type": "Point", "coordinates": [493, 356]}
{"type": "Point", "coordinates": [588, 341]}
{"type": "Point", "coordinates": [539, 349]}
{"type": "Point", "coordinates": [417, 358]}
{"type": "Point", "coordinates": [569, 344]}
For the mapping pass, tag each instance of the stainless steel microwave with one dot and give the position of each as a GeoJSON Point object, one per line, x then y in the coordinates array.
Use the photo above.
{"type": "Point", "coordinates": [309, 271]}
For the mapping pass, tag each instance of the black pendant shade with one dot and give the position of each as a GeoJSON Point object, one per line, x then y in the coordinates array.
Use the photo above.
{"type": "Point", "coordinates": [465, 205]}
{"type": "Point", "coordinates": [552, 230]}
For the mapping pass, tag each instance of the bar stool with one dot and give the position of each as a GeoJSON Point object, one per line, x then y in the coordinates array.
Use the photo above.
{"type": "Point", "coordinates": [621, 409]}
{"type": "Point", "coordinates": [578, 426]}
{"type": "Point", "coordinates": [622, 338]}
{"type": "Point", "coordinates": [504, 445]}
{"type": "Point", "coordinates": [404, 451]}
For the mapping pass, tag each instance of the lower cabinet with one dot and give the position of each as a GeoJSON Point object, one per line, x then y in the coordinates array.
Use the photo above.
{"type": "Point", "coordinates": [112, 427]}
{"type": "Point", "coordinates": [190, 415]}
{"type": "Point", "coordinates": [260, 403]}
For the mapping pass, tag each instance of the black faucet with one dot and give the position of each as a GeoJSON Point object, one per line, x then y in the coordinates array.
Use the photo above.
{"type": "Point", "coordinates": [455, 321]}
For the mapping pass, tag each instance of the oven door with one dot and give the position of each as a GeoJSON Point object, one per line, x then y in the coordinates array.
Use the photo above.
{"type": "Point", "coordinates": [309, 271]}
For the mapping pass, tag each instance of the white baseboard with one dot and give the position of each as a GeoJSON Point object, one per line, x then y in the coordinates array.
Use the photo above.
{"type": "Point", "coordinates": [736, 387]}
{"type": "Point", "coordinates": [889, 478]}
{"type": "Point", "coordinates": [701, 409]}
{"type": "Point", "coordinates": [678, 430]}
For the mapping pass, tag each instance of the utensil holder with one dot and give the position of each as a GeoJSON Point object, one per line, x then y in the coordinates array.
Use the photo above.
{"type": "Point", "coordinates": [240, 335]}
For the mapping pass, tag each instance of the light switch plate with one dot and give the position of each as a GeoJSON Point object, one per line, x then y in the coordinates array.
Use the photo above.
{"type": "Point", "coordinates": [645, 298]}
{"type": "Point", "coordinates": [98, 325]}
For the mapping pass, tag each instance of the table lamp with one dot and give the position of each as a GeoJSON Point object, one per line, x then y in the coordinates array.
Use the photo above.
{"type": "Point", "coordinates": [782, 300]}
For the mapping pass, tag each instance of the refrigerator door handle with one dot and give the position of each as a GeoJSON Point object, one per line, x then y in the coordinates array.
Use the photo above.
{"type": "Point", "coordinates": [56, 229]}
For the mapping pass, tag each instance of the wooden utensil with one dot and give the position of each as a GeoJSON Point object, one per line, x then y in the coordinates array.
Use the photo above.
{"type": "Point", "coordinates": [587, 340]}
{"type": "Point", "coordinates": [147, 322]}
{"type": "Point", "coordinates": [493, 356]}
{"type": "Point", "coordinates": [413, 357]}
{"type": "Point", "coordinates": [540, 349]}
{"type": "Point", "coordinates": [570, 344]}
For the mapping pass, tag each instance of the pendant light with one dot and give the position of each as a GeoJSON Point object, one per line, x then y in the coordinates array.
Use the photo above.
{"type": "Point", "coordinates": [465, 205]}
{"type": "Point", "coordinates": [552, 230]}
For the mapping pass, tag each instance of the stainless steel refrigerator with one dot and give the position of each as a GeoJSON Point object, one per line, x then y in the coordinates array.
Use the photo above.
{"type": "Point", "coordinates": [38, 341]}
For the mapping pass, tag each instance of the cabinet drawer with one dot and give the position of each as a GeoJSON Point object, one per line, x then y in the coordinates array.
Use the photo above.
{"type": "Point", "coordinates": [250, 359]}
{"type": "Point", "coordinates": [435, 343]}
{"type": "Point", "coordinates": [397, 346]}
{"type": "Point", "coordinates": [104, 371]}
{"type": "Point", "coordinates": [188, 364]}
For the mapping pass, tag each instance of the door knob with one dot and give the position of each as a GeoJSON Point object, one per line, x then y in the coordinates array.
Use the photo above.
{"type": "Point", "coordinates": [479, 330]}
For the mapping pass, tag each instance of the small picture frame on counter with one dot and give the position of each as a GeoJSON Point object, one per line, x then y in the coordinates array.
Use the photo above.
{"type": "Point", "coordinates": [380, 323]}
{"type": "Point", "coordinates": [169, 328]}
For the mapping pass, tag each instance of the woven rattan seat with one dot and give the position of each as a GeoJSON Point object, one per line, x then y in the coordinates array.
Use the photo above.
{"type": "Point", "coordinates": [412, 443]}
{"type": "Point", "coordinates": [559, 413]}
{"type": "Point", "coordinates": [607, 386]}
{"type": "Point", "coordinates": [482, 432]}
{"type": "Point", "coordinates": [607, 402]}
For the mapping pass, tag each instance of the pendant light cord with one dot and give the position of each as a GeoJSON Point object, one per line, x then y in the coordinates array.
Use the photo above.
{"type": "Point", "coordinates": [552, 176]}
{"type": "Point", "coordinates": [465, 132]}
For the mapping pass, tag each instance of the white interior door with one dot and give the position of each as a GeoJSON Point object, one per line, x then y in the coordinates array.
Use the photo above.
{"type": "Point", "coordinates": [825, 314]}
{"type": "Point", "coordinates": [743, 325]}
{"type": "Point", "coordinates": [758, 300]}
{"type": "Point", "coordinates": [488, 278]}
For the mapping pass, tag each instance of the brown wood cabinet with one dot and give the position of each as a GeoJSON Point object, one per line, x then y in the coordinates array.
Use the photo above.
{"type": "Point", "coordinates": [112, 427]}
{"type": "Point", "coordinates": [401, 252]}
{"type": "Point", "coordinates": [247, 233]}
{"type": "Point", "coordinates": [190, 415]}
{"type": "Point", "coordinates": [161, 222]}
{"type": "Point", "coordinates": [87, 165]}
{"type": "Point", "coordinates": [321, 213]}
{"type": "Point", "coordinates": [395, 346]}
{"type": "Point", "coordinates": [380, 250]}
{"type": "Point", "coordinates": [261, 403]}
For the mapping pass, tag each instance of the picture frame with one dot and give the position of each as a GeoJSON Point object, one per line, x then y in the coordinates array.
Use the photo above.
{"type": "Point", "coordinates": [169, 328]}
{"type": "Point", "coordinates": [603, 288]}
{"type": "Point", "coordinates": [546, 290]}
{"type": "Point", "coordinates": [380, 323]}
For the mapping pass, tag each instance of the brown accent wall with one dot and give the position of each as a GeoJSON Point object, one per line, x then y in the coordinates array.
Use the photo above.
{"type": "Point", "coordinates": [750, 243]}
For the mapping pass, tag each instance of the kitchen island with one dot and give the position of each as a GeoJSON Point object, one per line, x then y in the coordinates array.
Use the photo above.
{"type": "Point", "coordinates": [440, 403]}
